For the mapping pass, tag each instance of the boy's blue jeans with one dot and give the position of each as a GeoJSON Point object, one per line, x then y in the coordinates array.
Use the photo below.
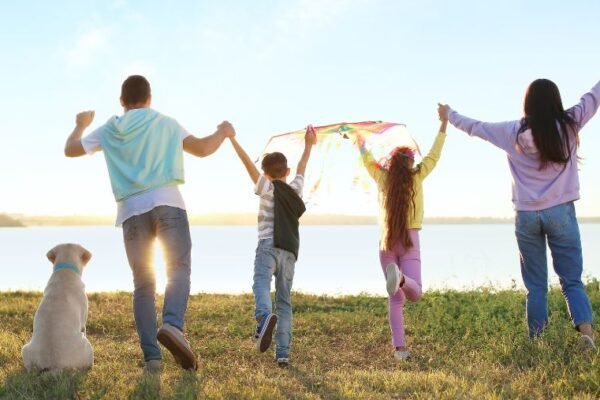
{"type": "Point", "coordinates": [557, 225]}
{"type": "Point", "coordinates": [271, 261]}
{"type": "Point", "coordinates": [171, 227]}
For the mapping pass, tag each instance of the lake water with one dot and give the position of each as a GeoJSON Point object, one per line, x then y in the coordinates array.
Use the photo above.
{"type": "Point", "coordinates": [333, 259]}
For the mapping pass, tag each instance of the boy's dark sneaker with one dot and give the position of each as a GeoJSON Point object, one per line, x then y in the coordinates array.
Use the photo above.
{"type": "Point", "coordinates": [174, 340]}
{"type": "Point", "coordinates": [264, 332]}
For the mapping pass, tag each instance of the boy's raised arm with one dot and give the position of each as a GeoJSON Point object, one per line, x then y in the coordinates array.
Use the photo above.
{"type": "Point", "coordinates": [310, 138]}
{"type": "Point", "coordinates": [73, 146]}
{"type": "Point", "coordinates": [246, 160]}
{"type": "Point", "coordinates": [202, 147]}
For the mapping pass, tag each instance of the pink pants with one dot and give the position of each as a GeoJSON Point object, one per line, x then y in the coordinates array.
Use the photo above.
{"type": "Point", "coordinates": [409, 262]}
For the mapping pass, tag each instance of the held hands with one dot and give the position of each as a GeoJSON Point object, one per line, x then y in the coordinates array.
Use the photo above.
{"type": "Point", "coordinates": [226, 129]}
{"type": "Point", "coordinates": [84, 118]}
{"type": "Point", "coordinates": [443, 110]}
{"type": "Point", "coordinates": [361, 143]}
{"type": "Point", "coordinates": [310, 138]}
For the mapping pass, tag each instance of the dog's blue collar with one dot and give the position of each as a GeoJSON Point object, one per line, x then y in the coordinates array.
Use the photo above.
{"type": "Point", "coordinates": [64, 265]}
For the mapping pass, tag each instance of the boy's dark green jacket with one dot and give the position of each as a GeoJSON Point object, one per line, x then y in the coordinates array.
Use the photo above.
{"type": "Point", "coordinates": [288, 209]}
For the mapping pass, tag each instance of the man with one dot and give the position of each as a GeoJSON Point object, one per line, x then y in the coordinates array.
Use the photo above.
{"type": "Point", "coordinates": [143, 150]}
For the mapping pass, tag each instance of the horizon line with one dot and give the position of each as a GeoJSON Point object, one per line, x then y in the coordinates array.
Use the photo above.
{"type": "Point", "coordinates": [249, 218]}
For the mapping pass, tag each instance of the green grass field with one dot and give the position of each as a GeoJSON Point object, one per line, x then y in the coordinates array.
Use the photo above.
{"type": "Point", "coordinates": [466, 345]}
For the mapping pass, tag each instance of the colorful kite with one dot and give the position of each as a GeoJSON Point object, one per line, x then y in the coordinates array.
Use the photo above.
{"type": "Point", "coordinates": [336, 181]}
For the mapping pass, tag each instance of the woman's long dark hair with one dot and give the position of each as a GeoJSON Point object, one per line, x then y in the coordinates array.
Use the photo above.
{"type": "Point", "coordinates": [543, 110]}
{"type": "Point", "coordinates": [399, 198]}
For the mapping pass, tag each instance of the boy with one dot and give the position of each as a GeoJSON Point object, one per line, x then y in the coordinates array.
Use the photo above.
{"type": "Point", "coordinates": [280, 208]}
{"type": "Point", "coordinates": [143, 150]}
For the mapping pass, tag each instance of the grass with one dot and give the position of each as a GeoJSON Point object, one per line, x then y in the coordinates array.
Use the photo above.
{"type": "Point", "coordinates": [466, 345]}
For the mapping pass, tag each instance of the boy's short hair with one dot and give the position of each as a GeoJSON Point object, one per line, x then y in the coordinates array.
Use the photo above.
{"type": "Point", "coordinates": [275, 165]}
{"type": "Point", "coordinates": [135, 90]}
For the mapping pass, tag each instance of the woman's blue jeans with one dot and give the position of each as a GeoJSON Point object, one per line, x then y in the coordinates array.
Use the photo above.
{"type": "Point", "coordinates": [558, 226]}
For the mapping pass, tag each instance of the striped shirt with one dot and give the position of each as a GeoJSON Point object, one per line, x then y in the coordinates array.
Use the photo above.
{"type": "Point", "coordinates": [266, 209]}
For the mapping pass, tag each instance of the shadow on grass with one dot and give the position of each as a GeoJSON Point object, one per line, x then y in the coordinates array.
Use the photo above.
{"type": "Point", "coordinates": [188, 386]}
{"type": "Point", "coordinates": [42, 385]}
{"type": "Point", "coordinates": [147, 387]}
{"type": "Point", "coordinates": [314, 385]}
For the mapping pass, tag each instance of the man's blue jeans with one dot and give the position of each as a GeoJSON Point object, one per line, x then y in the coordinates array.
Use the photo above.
{"type": "Point", "coordinates": [271, 261]}
{"type": "Point", "coordinates": [557, 225]}
{"type": "Point", "coordinates": [169, 225]}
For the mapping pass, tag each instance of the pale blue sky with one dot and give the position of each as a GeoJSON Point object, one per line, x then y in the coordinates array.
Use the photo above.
{"type": "Point", "coordinates": [274, 66]}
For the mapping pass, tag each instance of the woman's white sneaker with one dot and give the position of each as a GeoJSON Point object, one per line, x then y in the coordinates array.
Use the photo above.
{"type": "Point", "coordinates": [283, 362]}
{"type": "Point", "coordinates": [586, 344]}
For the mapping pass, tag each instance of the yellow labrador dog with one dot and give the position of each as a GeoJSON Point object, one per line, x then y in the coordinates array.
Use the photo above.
{"type": "Point", "coordinates": [59, 340]}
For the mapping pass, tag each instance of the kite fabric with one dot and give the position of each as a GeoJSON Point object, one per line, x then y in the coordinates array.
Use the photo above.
{"type": "Point", "coordinates": [336, 181]}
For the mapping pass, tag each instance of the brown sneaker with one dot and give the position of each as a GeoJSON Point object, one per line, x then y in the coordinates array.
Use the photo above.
{"type": "Point", "coordinates": [173, 339]}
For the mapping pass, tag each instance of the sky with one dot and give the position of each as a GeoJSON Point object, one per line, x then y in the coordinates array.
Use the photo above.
{"type": "Point", "coordinates": [274, 66]}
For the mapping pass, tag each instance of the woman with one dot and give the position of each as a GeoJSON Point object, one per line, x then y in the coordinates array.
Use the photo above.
{"type": "Point", "coordinates": [542, 153]}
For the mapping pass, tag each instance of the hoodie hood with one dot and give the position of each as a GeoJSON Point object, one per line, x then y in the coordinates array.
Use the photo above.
{"type": "Point", "coordinates": [131, 124]}
{"type": "Point", "coordinates": [143, 150]}
{"type": "Point", "coordinates": [526, 143]}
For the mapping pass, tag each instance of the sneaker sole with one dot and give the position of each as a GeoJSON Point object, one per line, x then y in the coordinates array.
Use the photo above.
{"type": "Point", "coordinates": [182, 355]}
{"type": "Point", "coordinates": [393, 279]}
{"type": "Point", "coordinates": [265, 341]}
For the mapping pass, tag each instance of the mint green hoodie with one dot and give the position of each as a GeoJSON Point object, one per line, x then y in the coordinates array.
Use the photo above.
{"type": "Point", "coordinates": [143, 151]}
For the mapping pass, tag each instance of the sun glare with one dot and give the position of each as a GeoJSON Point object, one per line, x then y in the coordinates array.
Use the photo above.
{"type": "Point", "coordinates": [159, 267]}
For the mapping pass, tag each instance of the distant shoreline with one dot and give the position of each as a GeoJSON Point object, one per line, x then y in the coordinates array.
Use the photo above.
{"type": "Point", "coordinates": [248, 219]}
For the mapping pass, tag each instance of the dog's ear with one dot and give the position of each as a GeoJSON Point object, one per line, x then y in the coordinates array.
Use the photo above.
{"type": "Point", "coordinates": [51, 255]}
{"type": "Point", "coordinates": [85, 256]}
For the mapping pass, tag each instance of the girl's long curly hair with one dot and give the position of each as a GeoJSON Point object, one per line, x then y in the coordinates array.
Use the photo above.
{"type": "Point", "coordinates": [399, 197]}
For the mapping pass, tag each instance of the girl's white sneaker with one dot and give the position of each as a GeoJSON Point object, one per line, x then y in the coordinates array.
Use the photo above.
{"type": "Point", "coordinates": [401, 355]}
{"type": "Point", "coordinates": [393, 277]}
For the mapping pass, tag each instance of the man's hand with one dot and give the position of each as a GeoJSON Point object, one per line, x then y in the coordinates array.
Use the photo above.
{"type": "Point", "coordinates": [226, 129]}
{"type": "Point", "coordinates": [73, 147]}
{"type": "Point", "coordinates": [310, 138]}
{"type": "Point", "coordinates": [443, 111]}
{"type": "Point", "coordinates": [84, 119]}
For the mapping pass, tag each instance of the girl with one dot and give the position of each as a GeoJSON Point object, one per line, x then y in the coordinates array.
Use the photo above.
{"type": "Point", "coordinates": [542, 155]}
{"type": "Point", "coordinates": [401, 216]}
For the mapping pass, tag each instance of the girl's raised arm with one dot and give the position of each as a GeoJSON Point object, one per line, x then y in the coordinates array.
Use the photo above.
{"type": "Point", "coordinates": [368, 160]}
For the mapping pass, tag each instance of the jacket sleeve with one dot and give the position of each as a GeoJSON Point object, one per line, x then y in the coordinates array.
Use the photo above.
{"type": "Point", "coordinates": [500, 134]}
{"type": "Point", "coordinates": [587, 106]}
{"type": "Point", "coordinates": [430, 160]}
{"type": "Point", "coordinates": [373, 168]}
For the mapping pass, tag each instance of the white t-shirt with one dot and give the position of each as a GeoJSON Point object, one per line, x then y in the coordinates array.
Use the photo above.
{"type": "Point", "coordinates": [266, 209]}
{"type": "Point", "coordinates": [143, 202]}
